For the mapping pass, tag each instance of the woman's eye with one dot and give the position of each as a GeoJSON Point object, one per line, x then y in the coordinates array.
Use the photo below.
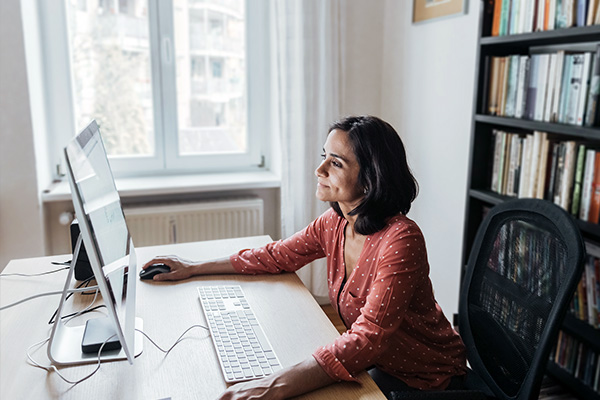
{"type": "Point", "coordinates": [336, 164]}
{"type": "Point", "coordinates": [323, 156]}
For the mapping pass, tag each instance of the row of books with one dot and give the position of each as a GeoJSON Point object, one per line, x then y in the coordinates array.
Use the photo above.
{"type": "Point", "coordinates": [585, 305]}
{"type": "Point", "coordinates": [551, 87]}
{"type": "Point", "coordinates": [512, 17]}
{"type": "Point", "coordinates": [538, 166]}
{"type": "Point", "coordinates": [579, 359]}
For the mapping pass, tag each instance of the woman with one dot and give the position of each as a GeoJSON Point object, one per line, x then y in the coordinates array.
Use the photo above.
{"type": "Point", "coordinates": [377, 273]}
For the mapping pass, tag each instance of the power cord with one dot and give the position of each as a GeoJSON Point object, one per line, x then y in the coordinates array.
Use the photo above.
{"type": "Point", "coordinates": [50, 368]}
{"type": "Point", "coordinates": [40, 274]}
{"type": "Point", "coordinates": [46, 294]}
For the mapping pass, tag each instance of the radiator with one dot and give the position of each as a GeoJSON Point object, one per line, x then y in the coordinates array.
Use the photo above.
{"type": "Point", "coordinates": [189, 222]}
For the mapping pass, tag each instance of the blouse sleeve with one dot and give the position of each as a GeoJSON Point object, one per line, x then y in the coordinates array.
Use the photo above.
{"type": "Point", "coordinates": [401, 269]}
{"type": "Point", "coordinates": [286, 255]}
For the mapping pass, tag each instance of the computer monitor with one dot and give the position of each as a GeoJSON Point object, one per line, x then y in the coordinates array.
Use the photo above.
{"type": "Point", "coordinates": [111, 254]}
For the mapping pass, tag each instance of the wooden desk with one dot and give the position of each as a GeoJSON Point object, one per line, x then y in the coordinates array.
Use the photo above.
{"type": "Point", "coordinates": [293, 321]}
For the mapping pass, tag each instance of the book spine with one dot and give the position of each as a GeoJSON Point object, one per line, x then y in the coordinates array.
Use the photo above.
{"type": "Point", "coordinates": [586, 187]}
{"type": "Point", "coordinates": [513, 72]}
{"type": "Point", "coordinates": [594, 91]}
{"type": "Point", "coordinates": [595, 196]}
{"type": "Point", "coordinates": [564, 90]}
{"type": "Point", "coordinates": [532, 89]}
{"type": "Point", "coordinates": [504, 16]}
{"type": "Point", "coordinates": [580, 15]}
{"type": "Point", "coordinates": [496, 18]}
{"type": "Point", "coordinates": [551, 175]}
{"type": "Point", "coordinates": [523, 84]}
{"type": "Point", "coordinates": [541, 178]}
{"type": "Point", "coordinates": [567, 179]}
{"type": "Point", "coordinates": [550, 90]}
{"type": "Point", "coordinates": [574, 88]}
{"type": "Point", "coordinates": [541, 87]}
{"type": "Point", "coordinates": [583, 91]}
{"type": "Point", "coordinates": [493, 94]}
{"type": "Point", "coordinates": [578, 180]}
{"type": "Point", "coordinates": [558, 78]}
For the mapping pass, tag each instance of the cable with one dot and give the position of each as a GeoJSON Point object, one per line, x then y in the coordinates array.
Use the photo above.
{"type": "Point", "coordinates": [46, 294]}
{"type": "Point", "coordinates": [53, 368]}
{"type": "Point", "coordinates": [40, 274]}
{"type": "Point", "coordinates": [85, 282]}
{"type": "Point", "coordinates": [176, 342]}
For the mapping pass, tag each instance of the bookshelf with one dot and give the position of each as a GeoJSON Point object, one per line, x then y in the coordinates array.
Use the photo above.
{"type": "Point", "coordinates": [481, 194]}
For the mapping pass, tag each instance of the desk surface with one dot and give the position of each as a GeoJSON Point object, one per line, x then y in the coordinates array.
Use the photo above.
{"type": "Point", "coordinates": [293, 321]}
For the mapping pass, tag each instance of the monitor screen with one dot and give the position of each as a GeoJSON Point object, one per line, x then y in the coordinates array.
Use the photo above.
{"type": "Point", "coordinates": [104, 231]}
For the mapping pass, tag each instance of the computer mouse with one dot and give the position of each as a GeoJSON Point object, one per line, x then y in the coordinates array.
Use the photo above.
{"type": "Point", "coordinates": [154, 269]}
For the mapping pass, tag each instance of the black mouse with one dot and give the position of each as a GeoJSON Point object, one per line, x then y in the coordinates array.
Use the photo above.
{"type": "Point", "coordinates": [154, 269]}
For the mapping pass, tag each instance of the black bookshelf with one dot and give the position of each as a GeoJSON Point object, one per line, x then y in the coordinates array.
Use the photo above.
{"type": "Point", "coordinates": [480, 197]}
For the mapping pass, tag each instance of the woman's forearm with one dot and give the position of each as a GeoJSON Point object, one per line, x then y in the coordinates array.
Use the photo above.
{"type": "Point", "coordinates": [289, 382]}
{"type": "Point", "coordinates": [303, 378]}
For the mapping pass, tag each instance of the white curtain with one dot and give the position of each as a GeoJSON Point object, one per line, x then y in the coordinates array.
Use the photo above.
{"type": "Point", "coordinates": [307, 52]}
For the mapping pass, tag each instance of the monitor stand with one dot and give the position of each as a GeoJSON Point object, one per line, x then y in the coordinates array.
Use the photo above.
{"type": "Point", "coordinates": [64, 347]}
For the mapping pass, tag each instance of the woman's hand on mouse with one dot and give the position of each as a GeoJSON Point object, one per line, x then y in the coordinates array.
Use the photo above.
{"type": "Point", "coordinates": [181, 268]}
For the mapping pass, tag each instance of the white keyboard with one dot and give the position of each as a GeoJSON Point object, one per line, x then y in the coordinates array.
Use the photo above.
{"type": "Point", "coordinates": [243, 349]}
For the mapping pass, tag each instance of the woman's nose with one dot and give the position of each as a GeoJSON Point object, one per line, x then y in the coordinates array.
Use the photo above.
{"type": "Point", "coordinates": [321, 170]}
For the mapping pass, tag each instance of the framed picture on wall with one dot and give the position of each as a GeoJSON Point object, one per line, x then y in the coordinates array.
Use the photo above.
{"type": "Point", "coordinates": [426, 10]}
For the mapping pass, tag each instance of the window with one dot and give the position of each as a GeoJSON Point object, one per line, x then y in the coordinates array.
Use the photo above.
{"type": "Point", "coordinates": [170, 82]}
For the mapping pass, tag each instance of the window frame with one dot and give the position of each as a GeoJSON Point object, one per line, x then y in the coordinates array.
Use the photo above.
{"type": "Point", "coordinates": [58, 94]}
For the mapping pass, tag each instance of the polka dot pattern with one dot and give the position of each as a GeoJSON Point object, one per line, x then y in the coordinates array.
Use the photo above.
{"type": "Point", "coordinates": [387, 303]}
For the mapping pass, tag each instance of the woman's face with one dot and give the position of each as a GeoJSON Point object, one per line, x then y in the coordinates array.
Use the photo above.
{"type": "Point", "coordinates": [338, 173]}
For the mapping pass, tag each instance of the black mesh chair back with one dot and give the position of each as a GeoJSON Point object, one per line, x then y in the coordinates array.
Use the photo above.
{"type": "Point", "coordinates": [523, 268]}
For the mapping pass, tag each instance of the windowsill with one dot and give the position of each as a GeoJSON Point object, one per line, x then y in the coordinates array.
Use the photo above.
{"type": "Point", "coordinates": [176, 184]}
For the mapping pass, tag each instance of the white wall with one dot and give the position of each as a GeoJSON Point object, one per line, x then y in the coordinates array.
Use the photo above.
{"type": "Point", "coordinates": [21, 228]}
{"type": "Point", "coordinates": [428, 75]}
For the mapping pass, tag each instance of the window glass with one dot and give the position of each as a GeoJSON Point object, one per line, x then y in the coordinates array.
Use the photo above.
{"type": "Point", "coordinates": [211, 76]}
{"type": "Point", "coordinates": [111, 74]}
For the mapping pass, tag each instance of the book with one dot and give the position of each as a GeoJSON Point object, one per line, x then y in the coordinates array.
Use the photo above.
{"type": "Point", "coordinates": [551, 175]}
{"type": "Point", "coordinates": [552, 15]}
{"type": "Point", "coordinates": [578, 178]}
{"type": "Point", "coordinates": [593, 92]}
{"type": "Point", "coordinates": [592, 5]}
{"type": "Point", "coordinates": [526, 156]}
{"type": "Point", "coordinates": [513, 26]}
{"type": "Point", "coordinates": [566, 188]}
{"type": "Point", "coordinates": [522, 85]}
{"type": "Point", "coordinates": [498, 139]}
{"type": "Point", "coordinates": [538, 140]}
{"type": "Point", "coordinates": [511, 90]}
{"type": "Point", "coordinates": [574, 88]}
{"type": "Point", "coordinates": [502, 85]}
{"type": "Point", "coordinates": [542, 86]}
{"type": "Point", "coordinates": [586, 187]}
{"type": "Point", "coordinates": [540, 13]}
{"type": "Point", "coordinates": [583, 90]}
{"type": "Point", "coordinates": [558, 79]}
{"type": "Point", "coordinates": [496, 17]}
{"type": "Point", "coordinates": [551, 80]}
{"type": "Point", "coordinates": [564, 88]}
{"type": "Point", "coordinates": [560, 171]}
{"type": "Point", "coordinates": [594, 213]}
{"type": "Point", "coordinates": [504, 16]}
{"type": "Point", "coordinates": [493, 92]}
{"type": "Point", "coordinates": [542, 166]}
{"type": "Point", "coordinates": [532, 88]}
{"type": "Point", "coordinates": [580, 16]}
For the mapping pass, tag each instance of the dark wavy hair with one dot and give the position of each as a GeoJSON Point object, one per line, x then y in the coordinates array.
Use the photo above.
{"type": "Point", "coordinates": [384, 172]}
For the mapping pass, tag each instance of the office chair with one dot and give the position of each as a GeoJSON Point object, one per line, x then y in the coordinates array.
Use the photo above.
{"type": "Point", "coordinates": [524, 266]}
